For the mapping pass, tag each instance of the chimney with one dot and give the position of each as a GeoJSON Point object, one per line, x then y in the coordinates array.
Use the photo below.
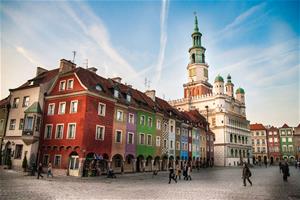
{"type": "Point", "coordinates": [66, 65]}
{"type": "Point", "coordinates": [92, 69]}
{"type": "Point", "coordinates": [117, 79]}
{"type": "Point", "coordinates": [151, 94]}
{"type": "Point", "coordinates": [40, 70]}
{"type": "Point", "coordinates": [129, 86]}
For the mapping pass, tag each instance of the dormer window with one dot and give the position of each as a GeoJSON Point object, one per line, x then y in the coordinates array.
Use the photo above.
{"type": "Point", "coordinates": [116, 93]}
{"type": "Point", "coordinates": [98, 87]}
{"type": "Point", "coordinates": [62, 85]}
{"type": "Point", "coordinates": [128, 97]}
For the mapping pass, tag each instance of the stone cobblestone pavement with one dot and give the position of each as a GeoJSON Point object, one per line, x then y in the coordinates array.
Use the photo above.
{"type": "Point", "coordinates": [215, 183]}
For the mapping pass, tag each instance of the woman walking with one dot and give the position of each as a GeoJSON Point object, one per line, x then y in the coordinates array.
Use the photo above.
{"type": "Point", "coordinates": [246, 174]}
{"type": "Point", "coordinates": [178, 172]}
{"type": "Point", "coordinates": [285, 171]}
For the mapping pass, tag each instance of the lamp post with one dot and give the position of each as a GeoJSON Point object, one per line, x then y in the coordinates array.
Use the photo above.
{"type": "Point", "coordinates": [207, 134]}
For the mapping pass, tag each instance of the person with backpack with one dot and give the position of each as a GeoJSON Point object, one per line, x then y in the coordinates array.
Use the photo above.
{"type": "Point", "coordinates": [246, 174]}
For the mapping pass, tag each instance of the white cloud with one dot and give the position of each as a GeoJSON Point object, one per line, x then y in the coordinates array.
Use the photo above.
{"type": "Point", "coordinates": [27, 55]}
{"type": "Point", "coordinates": [163, 40]}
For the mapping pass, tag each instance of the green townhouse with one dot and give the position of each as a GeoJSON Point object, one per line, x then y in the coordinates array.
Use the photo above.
{"type": "Point", "coordinates": [286, 142]}
{"type": "Point", "coordinates": [145, 149]}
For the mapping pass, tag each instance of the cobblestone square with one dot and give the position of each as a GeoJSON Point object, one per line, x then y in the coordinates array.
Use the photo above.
{"type": "Point", "coordinates": [215, 183]}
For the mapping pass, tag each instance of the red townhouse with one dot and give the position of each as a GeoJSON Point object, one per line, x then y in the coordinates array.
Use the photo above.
{"type": "Point", "coordinates": [77, 125]}
{"type": "Point", "coordinates": [273, 144]}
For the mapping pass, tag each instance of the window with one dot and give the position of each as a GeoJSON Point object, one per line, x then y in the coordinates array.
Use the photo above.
{"type": "Point", "coordinates": [128, 97]}
{"type": "Point", "coordinates": [51, 108]}
{"type": "Point", "coordinates": [158, 124]}
{"type": "Point", "coordinates": [178, 131]}
{"type": "Point", "coordinates": [21, 124]}
{"type": "Point", "coordinates": [116, 93]}
{"type": "Point", "coordinates": [283, 139]}
{"type": "Point", "coordinates": [270, 139]}
{"type": "Point", "coordinates": [289, 132]}
{"type": "Point", "coordinates": [45, 159]}
{"type": "Point", "coordinates": [291, 148]}
{"type": "Point", "coordinates": [257, 133]}
{"type": "Point", "coordinates": [71, 131]}
{"type": "Point", "coordinates": [186, 146]}
{"type": "Point", "coordinates": [100, 130]}
{"type": "Point", "coordinates": [190, 147]}
{"type": "Point", "coordinates": [172, 128]}
{"type": "Point", "coordinates": [25, 101]}
{"type": "Point", "coordinates": [12, 124]}
{"type": "Point", "coordinates": [119, 115]}
{"type": "Point", "coordinates": [28, 123]}
{"type": "Point", "coordinates": [263, 141]}
{"type": "Point", "coordinates": [262, 133]}
{"type": "Point", "coordinates": [252, 141]}
{"type": "Point", "coordinates": [165, 143]}
{"type": "Point", "coordinates": [258, 149]}
{"type": "Point", "coordinates": [290, 139]}
{"type": "Point", "coordinates": [177, 145]}
{"type": "Point", "coordinates": [264, 150]}
{"type": "Point", "coordinates": [70, 84]}
{"type": "Point", "coordinates": [171, 144]}
{"type": "Point", "coordinates": [118, 136]}
{"type": "Point", "coordinates": [270, 133]}
{"type": "Point", "coordinates": [275, 132]}
{"type": "Point", "coordinates": [62, 85]}
{"type": "Point", "coordinates": [257, 141]}
{"type": "Point", "coordinates": [101, 109]}
{"type": "Point", "coordinates": [284, 148]}
{"type": "Point", "coordinates": [16, 102]}
{"type": "Point", "coordinates": [131, 118]}
{"type": "Point", "coordinates": [57, 160]}
{"type": "Point", "coordinates": [130, 139]}
{"type": "Point", "coordinates": [190, 133]}
{"type": "Point", "coordinates": [59, 131]}
{"type": "Point", "coordinates": [62, 108]}
{"type": "Point", "coordinates": [98, 87]}
{"type": "Point", "coordinates": [149, 121]}
{"type": "Point", "coordinates": [18, 151]}
{"type": "Point", "coordinates": [142, 138]}
{"type": "Point", "coordinates": [142, 120]}
{"type": "Point", "coordinates": [38, 124]}
{"type": "Point", "coordinates": [149, 140]}
{"type": "Point", "coordinates": [157, 141]}
{"type": "Point", "coordinates": [275, 140]}
{"type": "Point", "coordinates": [74, 106]}
{"type": "Point", "coordinates": [48, 131]}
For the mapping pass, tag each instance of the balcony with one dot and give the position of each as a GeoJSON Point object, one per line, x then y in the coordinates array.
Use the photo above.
{"type": "Point", "coordinates": [28, 138]}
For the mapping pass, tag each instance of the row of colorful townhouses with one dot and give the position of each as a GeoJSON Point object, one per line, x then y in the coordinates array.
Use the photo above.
{"type": "Point", "coordinates": [273, 144]}
{"type": "Point", "coordinates": [84, 124]}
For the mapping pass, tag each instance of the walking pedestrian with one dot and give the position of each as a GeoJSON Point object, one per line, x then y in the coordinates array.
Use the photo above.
{"type": "Point", "coordinates": [40, 170]}
{"type": "Point", "coordinates": [172, 175]}
{"type": "Point", "coordinates": [178, 172]}
{"type": "Point", "coordinates": [185, 171]}
{"type": "Point", "coordinates": [49, 170]}
{"type": "Point", "coordinates": [266, 163]}
{"type": "Point", "coordinates": [285, 171]}
{"type": "Point", "coordinates": [189, 171]}
{"type": "Point", "coordinates": [280, 166]}
{"type": "Point", "coordinates": [246, 174]}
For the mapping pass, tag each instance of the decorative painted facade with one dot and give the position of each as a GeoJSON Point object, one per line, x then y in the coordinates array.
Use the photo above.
{"type": "Point", "coordinates": [287, 143]}
{"type": "Point", "coordinates": [259, 143]}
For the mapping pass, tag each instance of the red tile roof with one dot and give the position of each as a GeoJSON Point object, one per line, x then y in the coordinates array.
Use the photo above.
{"type": "Point", "coordinates": [285, 126]}
{"type": "Point", "coordinates": [257, 127]}
{"type": "Point", "coordinates": [4, 102]}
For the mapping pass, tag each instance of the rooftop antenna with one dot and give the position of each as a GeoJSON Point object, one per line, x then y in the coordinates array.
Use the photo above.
{"type": "Point", "coordinates": [86, 63]}
{"type": "Point", "coordinates": [149, 84]}
{"type": "Point", "coordinates": [74, 54]}
{"type": "Point", "coordinates": [145, 83]}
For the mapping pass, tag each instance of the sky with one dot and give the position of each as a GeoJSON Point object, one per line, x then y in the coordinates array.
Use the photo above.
{"type": "Point", "coordinates": [256, 42]}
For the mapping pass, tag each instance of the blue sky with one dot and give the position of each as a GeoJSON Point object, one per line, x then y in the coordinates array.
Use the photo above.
{"type": "Point", "coordinates": [257, 42]}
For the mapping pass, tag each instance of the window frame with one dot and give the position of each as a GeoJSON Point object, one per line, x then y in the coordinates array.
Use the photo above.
{"type": "Point", "coordinates": [149, 144]}
{"type": "Point", "coordinates": [72, 123]}
{"type": "Point", "coordinates": [157, 141]}
{"type": "Point", "coordinates": [12, 124]}
{"type": "Point", "coordinates": [68, 86]}
{"type": "Point", "coordinates": [56, 131]}
{"type": "Point", "coordinates": [45, 132]}
{"type": "Point", "coordinates": [131, 121]}
{"type": "Point", "coordinates": [25, 103]}
{"type": "Point", "coordinates": [130, 133]}
{"type": "Point", "coordinates": [59, 107]}
{"type": "Point", "coordinates": [16, 102]}
{"type": "Point", "coordinates": [122, 116]}
{"type": "Point", "coordinates": [103, 133]}
{"type": "Point", "coordinates": [60, 88]}
{"type": "Point", "coordinates": [116, 136]}
{"type": "Point", "coordinates": [71, 111]}
{"type": "Point", "coordinates": [54, 159]}
{"type": "Point", "coordinates": [104, 109]}
{"type": "Point", "coordinates": [48, 113]}
{"type": "Point", "coordinates": [140, 138]}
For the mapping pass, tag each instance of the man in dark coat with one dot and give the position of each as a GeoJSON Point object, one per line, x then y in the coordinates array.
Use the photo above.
{"type": "Point", "coordinates": [246, 174]}
{"type": "Point", "coordinates": [285, 171]}
{"type": "Point", "coordinates": [39, 171]}
{"type": "Point", "coordinates": [171, 175]}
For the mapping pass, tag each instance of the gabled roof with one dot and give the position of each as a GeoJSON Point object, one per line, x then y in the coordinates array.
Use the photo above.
{"type": "Point", "coordinates": [298, 125]}
{"type": "Point", "coordinates": [39, 79]}
{"type": "Point", "coordinates": [257, 127]}
{"type": "Point", "coordinates": [273, 128]}
{"type": "Point", "coordinates": [4, 102]}
{"type": "Point", "coordinates": [34, 108]}
{"type": "Point", "coordinates": [285, 126]}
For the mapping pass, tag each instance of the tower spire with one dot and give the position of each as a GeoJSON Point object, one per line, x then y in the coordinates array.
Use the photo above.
{"type": "Point", "coordinates": [196, 29]}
